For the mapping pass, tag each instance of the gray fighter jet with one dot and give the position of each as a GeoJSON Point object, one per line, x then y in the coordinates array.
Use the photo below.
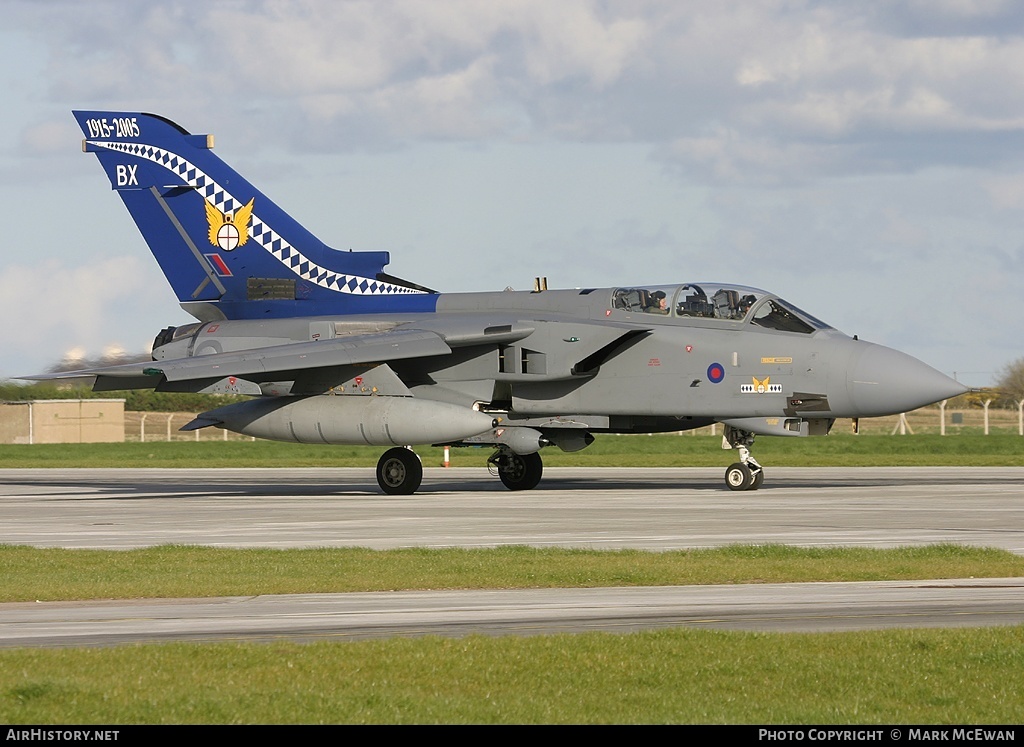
{"type": "Point", "coordinates": [334, 350]}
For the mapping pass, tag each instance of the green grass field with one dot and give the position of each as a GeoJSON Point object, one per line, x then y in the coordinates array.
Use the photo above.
{"type": "Point", "coordinates": [54, 574]}
{"type": "Point", "coordinates": [956, 676]}
{"type": "Point", "coordinates": [840, 450]}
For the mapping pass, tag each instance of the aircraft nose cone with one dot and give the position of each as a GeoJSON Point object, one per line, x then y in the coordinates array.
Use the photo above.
{"type": "Point", "coordinates": [884, 381]}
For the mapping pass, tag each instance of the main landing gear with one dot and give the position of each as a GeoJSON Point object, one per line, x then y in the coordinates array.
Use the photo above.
{"type": "Point", "coordinates": [399, 471]}
{"type": "Point", "coordinates": [517, 471]}
{"type": "Point", "coordinates": [745, 474]}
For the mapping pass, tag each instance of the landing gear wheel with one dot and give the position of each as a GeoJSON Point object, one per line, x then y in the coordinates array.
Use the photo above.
{"type": "Point", "coordinates": [745, 474]}
{"type": "Point", "coordinates": [738, 477]}
{"type": "Point", "coordinates": [520, 472]}
{"type": "Point", "coordinates": [399, 472]}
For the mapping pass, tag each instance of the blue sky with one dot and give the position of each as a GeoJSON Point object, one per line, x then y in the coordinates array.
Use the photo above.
{"type": "Point", "coordinates": [863, 159]}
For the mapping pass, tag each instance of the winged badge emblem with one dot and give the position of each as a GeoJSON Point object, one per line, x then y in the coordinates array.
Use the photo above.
{"type": "Point", "coordinates": [761, 386]}
{"type": "Point", "coordinates": [226, 230]}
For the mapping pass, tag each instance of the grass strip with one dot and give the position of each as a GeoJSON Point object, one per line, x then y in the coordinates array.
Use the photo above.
{"type": "Point", "coordinates": [838, 450]}
{"type": "Point", "coordinates": [57, 574]}
{"type": "Point", "coordinates": [959, 676]}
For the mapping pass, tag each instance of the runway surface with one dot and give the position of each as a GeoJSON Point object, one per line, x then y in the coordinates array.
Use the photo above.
{"type": "Point", "coordinates": [603, 509]}
{"type": "Point", "coordinates": [654, 509]}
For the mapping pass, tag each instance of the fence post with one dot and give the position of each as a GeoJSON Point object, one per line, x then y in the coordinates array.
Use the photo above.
{"type": "Point", "coordinates": [987, 402]}
{"type": "Point", "coordinates": [942, 418]}
{"type": "Point", "coordinates": [142, 428]}
{"type": "Point", "coordinates": [902, 426]}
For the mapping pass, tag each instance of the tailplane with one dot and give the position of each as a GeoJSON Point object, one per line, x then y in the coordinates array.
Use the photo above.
{"type": "Point", "coordinates": [226, 249]}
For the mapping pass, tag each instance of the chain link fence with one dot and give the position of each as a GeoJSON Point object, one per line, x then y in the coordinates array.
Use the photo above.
{"type": "Point", "coordinates": [148, 427]}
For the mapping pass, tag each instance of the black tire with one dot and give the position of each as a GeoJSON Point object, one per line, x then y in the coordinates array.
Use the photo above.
{"type": "Point", "coordinates": [738, 477]}
{"type": "Point", "coordinates": [758, 479]}
{"type": "Point", "coordinates": [521, 472]}
{"type": "Point", "coordinates": [399, 472]}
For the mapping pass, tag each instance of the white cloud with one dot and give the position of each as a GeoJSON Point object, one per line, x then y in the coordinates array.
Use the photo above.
{"type": "Point", "coordinates": [814, 147]}
{"type": "Point", "coordinates": [52, 308]}
{"type": "Point", "coordinates": [363, 72]}
{"type": "Point", "coordinates": [1006, 192]}
{"type": "Point", "coordinates": [49, 137]}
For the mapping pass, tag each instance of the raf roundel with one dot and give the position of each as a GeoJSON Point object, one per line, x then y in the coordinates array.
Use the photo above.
{"type": "Point", "coordinates": [716, 372]}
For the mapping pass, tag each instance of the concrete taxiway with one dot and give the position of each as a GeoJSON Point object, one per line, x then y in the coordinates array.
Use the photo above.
{"type": "Point", "coordinates": [764, 607]}
{"type": "Point", "coordinates": [654, 509]}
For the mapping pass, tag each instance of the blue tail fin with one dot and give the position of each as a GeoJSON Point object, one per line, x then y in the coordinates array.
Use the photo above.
{"type": "Point", "coordinates": [227, 250]}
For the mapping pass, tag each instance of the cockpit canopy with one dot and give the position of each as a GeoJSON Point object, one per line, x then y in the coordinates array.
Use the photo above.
{"type": "Point", "coordinates": [733, 303]}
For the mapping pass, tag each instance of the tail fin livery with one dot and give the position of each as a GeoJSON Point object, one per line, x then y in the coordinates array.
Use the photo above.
{"type": "Point", "coordinates": [226, 249]}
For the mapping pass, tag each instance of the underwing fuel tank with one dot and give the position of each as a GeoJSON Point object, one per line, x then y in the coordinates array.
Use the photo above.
{"type": "Point", "coordinates": [327, 419]}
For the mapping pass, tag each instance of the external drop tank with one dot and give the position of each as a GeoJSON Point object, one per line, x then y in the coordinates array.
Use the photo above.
{"type": "Point", "coordinates": [355, 420]}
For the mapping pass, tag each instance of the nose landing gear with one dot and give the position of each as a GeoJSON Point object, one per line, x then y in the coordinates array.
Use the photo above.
{"type": "Point", "coordinates": [745, 474]}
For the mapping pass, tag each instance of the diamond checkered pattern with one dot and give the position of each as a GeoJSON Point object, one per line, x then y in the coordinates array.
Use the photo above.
{"type": "Point", "coordinates": [259, 231]}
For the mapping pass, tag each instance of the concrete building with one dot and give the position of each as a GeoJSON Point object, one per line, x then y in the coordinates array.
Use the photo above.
{"type": "Point", "coordinates": [62, 421]}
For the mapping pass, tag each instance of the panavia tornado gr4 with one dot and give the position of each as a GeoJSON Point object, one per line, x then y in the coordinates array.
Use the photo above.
{"type": "Point", "coordinates": [334, 350]}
